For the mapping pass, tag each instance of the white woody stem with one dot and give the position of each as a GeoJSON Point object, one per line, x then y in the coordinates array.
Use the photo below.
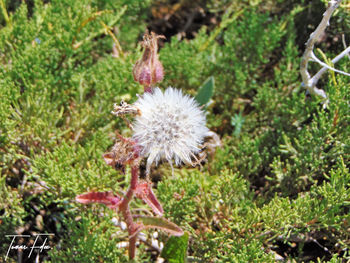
{"type": "Point", "coordinates": [344, 44]}
{"type": "Point", "coordinates": [318, 75]}
{"type": "Point", "coordinates": [310, 83]}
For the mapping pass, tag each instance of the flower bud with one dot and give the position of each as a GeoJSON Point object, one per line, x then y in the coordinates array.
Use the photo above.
{"type": "Point", "coordinates": [148, 70]}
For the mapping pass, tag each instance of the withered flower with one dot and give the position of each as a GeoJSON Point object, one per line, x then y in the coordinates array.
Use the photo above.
{"type": "Point", "coordinates": [170, 126]}
{"type": "Point", "coordinates": [125, 151]}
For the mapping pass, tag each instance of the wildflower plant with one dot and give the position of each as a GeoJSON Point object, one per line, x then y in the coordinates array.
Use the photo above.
{"type": "Point", "coordinates": [168, 125]}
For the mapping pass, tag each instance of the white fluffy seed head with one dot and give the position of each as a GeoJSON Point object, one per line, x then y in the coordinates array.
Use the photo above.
{"type": "Point", "coordinates": [171, 126]}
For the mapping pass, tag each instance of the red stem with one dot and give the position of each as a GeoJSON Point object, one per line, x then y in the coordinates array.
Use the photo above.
{"type": "Point", "coordinates": [132, 247]}
{"type": "Point", "coordinates": [125, 210]}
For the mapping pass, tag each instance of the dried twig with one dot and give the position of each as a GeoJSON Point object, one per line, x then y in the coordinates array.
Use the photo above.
{"type": "Point", "coordinates": [310, 82]}
{"type": "Point", "coordinates": [317, 76]}
{"type": "Point", "coordinates": [344, 44]}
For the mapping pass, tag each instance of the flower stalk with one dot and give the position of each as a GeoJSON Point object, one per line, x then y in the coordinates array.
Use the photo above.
{"type": "Point", "coordinates": [124, 208]}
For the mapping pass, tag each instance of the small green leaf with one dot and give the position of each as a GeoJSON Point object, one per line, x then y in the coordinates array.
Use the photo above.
{"type": "Point", "coordinates": [237, 120]}
{"type": "Point", "coordinates": [175, 249]}
{"type": "Point", "coordinates": [206, 91]}
{"type": "Point", "coordinates": [161, 223]}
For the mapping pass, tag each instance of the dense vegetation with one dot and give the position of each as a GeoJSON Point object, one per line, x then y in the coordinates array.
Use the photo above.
{"type": "Point", "coordinates": [277, 188]}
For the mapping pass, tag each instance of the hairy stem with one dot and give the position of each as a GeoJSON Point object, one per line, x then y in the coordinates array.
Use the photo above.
{"type": "Point", "coordinates": [125, 210]}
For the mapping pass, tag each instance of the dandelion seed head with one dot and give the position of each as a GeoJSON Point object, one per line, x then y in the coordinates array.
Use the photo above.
{"type": "Point", "coordinates": [170, 126]}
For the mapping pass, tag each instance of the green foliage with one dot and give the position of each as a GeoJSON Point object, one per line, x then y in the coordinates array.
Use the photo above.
{"type": "Point", "coordinates": [175, 250]}
{"type": "Point", "coordinates": [206, 91]}
{"type": "Point", "coordinates": [278, 185]}
{"type": "Point", "coordinates": [89, 238]}
{"type": "Point", "coordinates": [237, 121]}
{"type": "Point", "coordinates": [58, 86]}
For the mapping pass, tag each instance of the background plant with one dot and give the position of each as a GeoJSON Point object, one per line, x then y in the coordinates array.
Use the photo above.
{"type": "Point", "coordinates": [277, 188]}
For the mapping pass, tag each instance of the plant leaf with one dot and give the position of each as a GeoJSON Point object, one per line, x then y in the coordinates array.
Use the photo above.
{"type": "Point", "coordinates": [144, 192]}
{"type": "Point", "coordinates": [237, 120]}
{"type": "Point", "coordinates": [107, 198]}
{"type": "Point", "coordinates": [175, 250]}
{"type": "Point", "coordinates": [206, 91]}
{"type": "Point", "coordinates": [160, 223]}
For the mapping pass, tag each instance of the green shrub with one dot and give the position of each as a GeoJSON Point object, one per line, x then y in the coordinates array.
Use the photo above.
{"type": "Point", "coordinates": [278, 186]}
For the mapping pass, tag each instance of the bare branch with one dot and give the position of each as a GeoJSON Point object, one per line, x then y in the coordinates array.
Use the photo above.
{"type": "Point", "coordinates": [344, 43]}
{"type": "Point", "coordinates": [318, 75]}
{"type": "Point", "coordinates": [316, 59]}
{"type": "Point", "coordinates": [308, 82]}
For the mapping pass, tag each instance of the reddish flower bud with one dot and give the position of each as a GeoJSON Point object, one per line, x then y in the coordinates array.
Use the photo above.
{"type": "Point", "coordinates": [148, 70]}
